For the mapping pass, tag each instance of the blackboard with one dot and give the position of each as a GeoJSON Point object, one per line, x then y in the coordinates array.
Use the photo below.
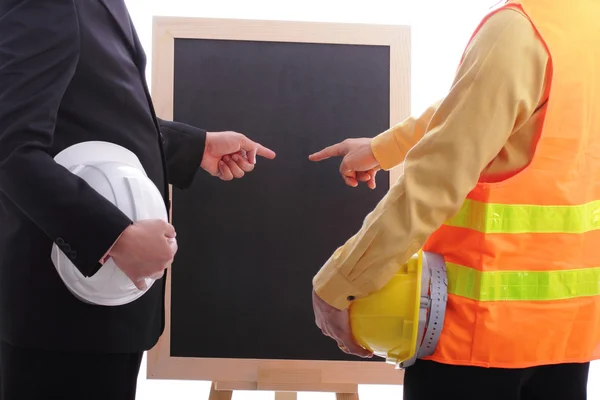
{"type": "Point", "coordinates": [249, 248]}
{"type": "Point", "coordinates": [240, 286]}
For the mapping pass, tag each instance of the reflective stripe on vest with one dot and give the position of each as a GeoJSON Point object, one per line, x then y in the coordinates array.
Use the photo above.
{"type": "Point", "coordinates": [522, 285]}
{"type": "Point", "coordinates": [511, 218]}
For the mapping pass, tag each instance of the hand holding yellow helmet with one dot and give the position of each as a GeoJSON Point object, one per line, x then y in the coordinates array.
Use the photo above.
{"type": "Point", "coordinates": [403, 321]}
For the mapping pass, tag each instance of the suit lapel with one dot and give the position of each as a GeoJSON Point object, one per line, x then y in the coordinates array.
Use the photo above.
{"type": "Point", "coordinates": [140, 60]}
{"type": "Point", "coordinates": [118, 10]}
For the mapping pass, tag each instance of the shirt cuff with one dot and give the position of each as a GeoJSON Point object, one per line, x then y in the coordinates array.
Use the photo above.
{"type": "Point", "coordinates": [106, 255]}
{"type": "Point", "coordinates": [387, 150]}
{"type": "Point", "coordinates": [334, 288]}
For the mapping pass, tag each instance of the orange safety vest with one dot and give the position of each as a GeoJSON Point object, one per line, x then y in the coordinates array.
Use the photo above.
{"type": "Point", "coordinates": [523, 254]}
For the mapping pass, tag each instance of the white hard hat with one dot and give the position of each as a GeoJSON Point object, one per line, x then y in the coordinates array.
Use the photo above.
{"type": "Point", "coordinates": [117, 174]}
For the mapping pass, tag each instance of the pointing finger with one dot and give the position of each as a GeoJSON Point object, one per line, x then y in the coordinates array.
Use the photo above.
{"type": "Point", "coordinates": [335, 150]}
{"type": "Point", "coordinates": [264, 152]}
{"type": "Point", "coordinates": [254, 149]}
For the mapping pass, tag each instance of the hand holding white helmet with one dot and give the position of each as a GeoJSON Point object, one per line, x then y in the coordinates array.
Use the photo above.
{"type": "Point", "coordinates": [144, 250]}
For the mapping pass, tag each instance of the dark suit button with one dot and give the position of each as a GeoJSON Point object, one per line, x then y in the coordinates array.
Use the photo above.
{"type": "Point", "coordinates": [60, 241]}
{"type": "Point", "coordinates": [66, 247]}
{"type": "Point", "coordinates": [73, 254]}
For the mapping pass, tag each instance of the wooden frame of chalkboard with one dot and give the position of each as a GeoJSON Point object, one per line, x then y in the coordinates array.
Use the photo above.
{"type": "Point", "coordinates": [268, 374]}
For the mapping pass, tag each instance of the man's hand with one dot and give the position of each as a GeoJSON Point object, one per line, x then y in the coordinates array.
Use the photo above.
{"type": "Point", "coordinates": [230, 155]}
{"type": "Point", "coordinates": [144, 250]}
{"type": "Point", "coordinates": [336, 324]}
{"type": "Point", "coordinates": [359, 163]}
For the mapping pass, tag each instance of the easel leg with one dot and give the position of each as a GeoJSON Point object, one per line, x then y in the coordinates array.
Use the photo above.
{"type": "Point", "coordinates": [286, 396]}
{"type": "Point", "coordinates": [219, 394]}
{"type": "Point", "coordinates": [346, 396]}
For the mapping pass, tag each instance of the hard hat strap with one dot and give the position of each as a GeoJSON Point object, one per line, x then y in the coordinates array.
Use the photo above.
{"type": "Point", "coordinates": [438, 297]}
{"type": "Point", "coordinates": [434, 296]}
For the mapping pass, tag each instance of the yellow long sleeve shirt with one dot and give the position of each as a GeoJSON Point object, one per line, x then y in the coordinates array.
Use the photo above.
{"type": "Point", "coordinates": [484, 127]}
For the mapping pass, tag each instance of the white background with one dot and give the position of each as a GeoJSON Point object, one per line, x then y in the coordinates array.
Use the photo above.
{"type": "Point", "coordinates": [440, 30]}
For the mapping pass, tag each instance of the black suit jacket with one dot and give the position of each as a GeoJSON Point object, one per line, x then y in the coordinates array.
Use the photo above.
{"type": "Point", "coordinates": [73, 71]}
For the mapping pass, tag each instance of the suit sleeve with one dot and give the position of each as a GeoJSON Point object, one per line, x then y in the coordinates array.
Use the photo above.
{"type": "Point", "coordinates": [184, 148]}
{"type": "Point", "coordinates": [39, 52]}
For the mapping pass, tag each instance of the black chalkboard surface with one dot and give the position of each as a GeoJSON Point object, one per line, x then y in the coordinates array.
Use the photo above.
{"type": "Point", "coordinates": [248, 249]}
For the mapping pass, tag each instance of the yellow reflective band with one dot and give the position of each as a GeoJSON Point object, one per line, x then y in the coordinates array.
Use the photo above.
{"type": "Point", "coordinates": [509, 218]}
{"type": "Point", "coordinates": [522, 285]}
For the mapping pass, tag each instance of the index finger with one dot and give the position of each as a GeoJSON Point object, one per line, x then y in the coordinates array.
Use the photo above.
{"type": "Point", "coordinates": [252, 149]}
{"type": "Point", "coordinates": [264, 152]}
{"type": "Point", "coordinates": [335, 150]}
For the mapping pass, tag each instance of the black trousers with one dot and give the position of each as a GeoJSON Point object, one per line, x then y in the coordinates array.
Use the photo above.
{"type": "Point", "coordinates": [428, 380]}
{"type": "Point", "coordinates": [28, 374]}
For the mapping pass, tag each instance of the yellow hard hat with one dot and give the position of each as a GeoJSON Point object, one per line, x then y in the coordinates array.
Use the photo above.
{"type": "Point", "coordinates": [403, 320]}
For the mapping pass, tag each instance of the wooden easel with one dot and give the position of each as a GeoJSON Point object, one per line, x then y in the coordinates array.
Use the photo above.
{"type": "Point", "coordinates": [285, 377]}
{"type": "Point", "coordinates": [216, 394]}
{"type": "Point", "coordinates": [286, 383]}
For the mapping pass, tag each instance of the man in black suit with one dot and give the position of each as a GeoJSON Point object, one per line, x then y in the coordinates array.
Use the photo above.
{"type": "Point", "coordinates": [73, 71]}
